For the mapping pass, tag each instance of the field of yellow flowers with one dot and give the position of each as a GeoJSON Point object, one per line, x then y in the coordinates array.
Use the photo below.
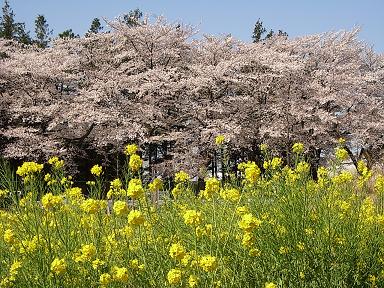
{"type": "Point", "coordinates": [279, 228]}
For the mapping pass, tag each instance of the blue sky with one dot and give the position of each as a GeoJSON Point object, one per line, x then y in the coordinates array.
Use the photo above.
{"type": "Point", "coordinates": [296, 17]}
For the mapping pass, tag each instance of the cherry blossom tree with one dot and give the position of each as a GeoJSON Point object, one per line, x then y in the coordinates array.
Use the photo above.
{"type": "Point", "coordinates": [151, 83]}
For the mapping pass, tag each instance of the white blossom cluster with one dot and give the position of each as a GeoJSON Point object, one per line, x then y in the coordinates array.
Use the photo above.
{"type": "Point", "coordinates": [153, 84]}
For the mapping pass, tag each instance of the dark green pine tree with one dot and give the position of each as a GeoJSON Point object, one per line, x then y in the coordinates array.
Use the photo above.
{"type": "Point", "coordinates": [42, 32]}
{"type": "Point", "coordinates": [282, 33]}
{"type": "Point", "coordinates": [7, 23]}
{"type": "Point", "coordinates": [269, 35]}
{"type": "Point", "coordinates": [68, 34]}
{"type": "Point", "coordinates": [9, 29]}
{"type": "Point", "coordinates": [95, 27]}
{"type": "Point", "coordinates": [258, 31]}
{"type": "Point", "coordinates": [22, 35]}
{"type": "Point", "coordinates": [133, 18]}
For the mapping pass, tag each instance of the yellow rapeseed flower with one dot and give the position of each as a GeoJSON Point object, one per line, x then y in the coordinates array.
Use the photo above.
{"type": "Point", "coordinates": [127, 231]}
{"type": "Point", "coordinates": [130, 149]}
{"type": "Point", "coordinates": [181, 177]}
{"type": "Point", "coordinates": [14, 269]}
{"type": "Point", "coordinates": [9, 237]}
{"type": "Point", "coordinates": [97, 170]}
{"type": "Point", "coordinates": [177, 251]}
{"type": "Point", "coordinates": [120, 208]}
{"type": "Point", "coordinates": [91, 183]}
{"type": "Point", "coordinates": [322, 172]}
{"type": "Point", "coordinates": [135, 189]}
{"type": "Point", "coordinates": [379, 184]}
{"type": "Point", "coordinates": [273, 164]}
{"type": "Point", "coordinates": [367, 211]}
{"type": "Point", "coordinates": [263, 148]}
{"type": "Point", "coordinates": [177, 190]}
{"type": "Point", "coordinates": [93, 206]}
{"type": "Point", "coordinates": [298, 148]}
{"type": "Point", "coordinates": [365, 173]}
{"type": "Point", "coordinates": [156, 185]}
{"type": "Point", "coordinates": [300, 246]}
{"type": "Point", "coordinates": [135, 217]}
{"type": "Point", "coordinates": [74, 193]}
{"type": "Point", "coordinates": [86, 253]}
{"type": "Point", "coordinates": [56, 162]}
{"type": "Point", "coordinates": [249, 222]}
{"type": "Point", "coordinates": [270, 285]}
{"type": "Point", "coordinates": [174, 276]}
{"type": "Point", "coordinates": [3, 193]}
{"type": "Point", "coordinates": [58, 266]}
{"type": "Point", "coordinates": [341, 154]}
{"type": "Point", "coordinates": [47, 177]}
{"type": "Point", "coordinates": [29, 168]}
{"type": "Point", "coordinates": [212, 186]}
{"type": "Point", "coordinates": [342, 178]}
{"type": "Point", "coordinates": [341, 141]}
{"type": "Point", "coordinates": [187, 259]}
{"type": "Point", "coordinates": [219, 140]}
{"type": "Point", "coordinates": [251, 171]}
{"type": "Point", "coordinates": [29, 245]}
{"type": "Point", "coordinates": [120, 274]}
{"type": "Point", "coordinates": [276, 163]}
{"type": "Point", "coordinates": [231, 194]}
{"type": "Point", "coordinates": [192, 217]}
{"type": "Point", "coordinates": [372, 279]}
{"type": "Point", "coordinates": [309, 231]}
{"type": "Point", "coordinates": [208, 263]}
{"type": "Point", "coordinates": [105, 279]}
{"type": "Point", "coordinates": [248, 239]}
{"type": "Point", "coordinates": [135, 162]}
{"type": "Point", "coordinates": [193, 280]}
{"type": "Point", "coordinates": [302, 168]}
{"type": "Point", "coordinates": [134, 264]}
{"type": "Point", "coordinates": [115, 192]}
{"type": "Point", "coordinates": [97, 263]}
{"type": "Point", "coordinates": [116, 184]}
{"type": "Point", "coordinates": [241, 210]}
{"type": "Point", "coordinates": [254, 252]}
{"type": "Point", "coordinates": [50, 201]}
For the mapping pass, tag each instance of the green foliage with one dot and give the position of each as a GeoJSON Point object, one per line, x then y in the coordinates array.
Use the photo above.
{"type": "Point", "coordinates": [7, 24]}
{"type": "Point", "coordinates": [9, 29]}
{"type": "Point", "coordinates": [42, 31]}
{"type": "Point", "coordinates": [259, 30]}
{"type": "Point", "coordinates": [9, 181]}
{"type": "Point", "coordinates": [95, 27]}
{"type": "Point", "coordinates": [68, 34]}
{"type": "Point", "coordinates": [133, 18]}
